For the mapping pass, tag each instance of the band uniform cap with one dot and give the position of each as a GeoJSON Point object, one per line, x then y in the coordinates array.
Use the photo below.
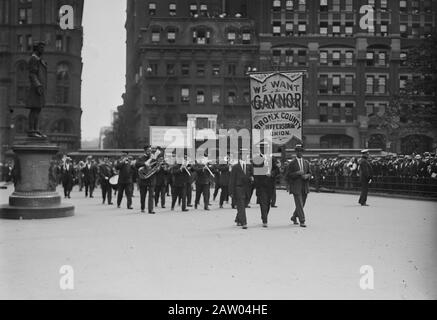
{"type": "Point", "coordinates": [298, 147]}
{"type": "Point", "coordinates": [365, 151]}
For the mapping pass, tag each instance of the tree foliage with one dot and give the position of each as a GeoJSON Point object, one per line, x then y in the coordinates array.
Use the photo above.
{"type": "Point", "coordinates": [409, 109]}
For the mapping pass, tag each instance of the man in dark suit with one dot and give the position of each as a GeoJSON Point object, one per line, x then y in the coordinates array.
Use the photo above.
{"type": "Point", "coordinates": [126, 170]}
{"type": "Point", "coordinates": [181, 176]}
{"type": "Point", "coordinates": [67, 172]}
{"type": "Point", "coordinates": [105, 173]}
{"type": "Point", "coordinates": [366, 174]}
{"type": "Point", "coordinates": [161, 178]}
{"type": "Point", "coordinates": [239, 183]}
{"type": "Point", "coordinates": [264, 183]}
{"type": "Point", "coordinates": [147, 185]}
{"type": "Point", "coordinates": [223, 182]}
{"type": "Point", "coordinates": [298, 177]}
{"type": "Point", "coordinates": [203, 183]}
{"type": "Point", "coordinates": [89, 176]}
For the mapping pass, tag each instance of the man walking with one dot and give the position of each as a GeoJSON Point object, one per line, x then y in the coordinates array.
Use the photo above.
{"type": "Point", "coordinates": [67, 172]}
{"type": "Point", "coordinates": [125, 181]}
{"type": "Point", "coordinates": [146, 185]}
{"type": "Point", "coordinates": [298, 176]}
{"type": "Point", "coordinates": [366, 174]}
{"type": "Point", "coordinates": [264, 184]}
{"type": "Point", "coordinates": [239, 183]}
{"type": "Point", "coordinates": [105, 173]}
{"type": "Point", "coordinates": [89, 176]}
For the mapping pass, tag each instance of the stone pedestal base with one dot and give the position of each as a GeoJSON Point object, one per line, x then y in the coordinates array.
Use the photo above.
{"type": "Point", "coordinates": [35, 195]}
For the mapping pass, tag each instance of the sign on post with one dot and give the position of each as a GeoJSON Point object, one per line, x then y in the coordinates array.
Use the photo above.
{"type": "Point", "coordinates": [276, 104]}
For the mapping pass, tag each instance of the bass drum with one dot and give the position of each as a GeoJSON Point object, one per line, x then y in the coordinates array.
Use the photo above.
{"type": "Point", "coordinates": [114, 181]}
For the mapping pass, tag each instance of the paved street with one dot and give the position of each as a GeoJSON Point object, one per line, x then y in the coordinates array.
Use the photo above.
{"type": "Point", "coordinates": [121, 254]}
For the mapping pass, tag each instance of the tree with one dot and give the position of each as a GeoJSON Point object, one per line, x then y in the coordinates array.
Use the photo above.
{"type": "Point", "coordinates": [408, 110]}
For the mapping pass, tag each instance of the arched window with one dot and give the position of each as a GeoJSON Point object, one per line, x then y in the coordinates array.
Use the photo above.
{"type": "Point", "coordinates": [21, 125]}
{"type": "Point", "coordinates": [62, 126]}
{"type": "Point", "coordinates": [377, 141]}
{"type": "Point", "coordinates": [62, 83]}
{"type": "Point", "coordinates": [416, 144]}
{"type": "Point", "coordinates": [22, 85]}
{"type": "Point", "coordinates": [201, 35]}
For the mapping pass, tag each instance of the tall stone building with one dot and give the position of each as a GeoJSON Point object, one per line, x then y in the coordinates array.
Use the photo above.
{"type": "Point", "coordinates": [23, 22]}
{"type": "Point", "coordinates": [187, 63]}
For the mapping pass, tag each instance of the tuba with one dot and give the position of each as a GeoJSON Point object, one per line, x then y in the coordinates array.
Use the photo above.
{"type": "Point", "coordinates": [147, 171]}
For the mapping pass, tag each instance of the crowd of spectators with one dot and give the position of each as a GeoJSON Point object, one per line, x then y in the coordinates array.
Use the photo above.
{"type": "Point", "coordinates": [413, 174]}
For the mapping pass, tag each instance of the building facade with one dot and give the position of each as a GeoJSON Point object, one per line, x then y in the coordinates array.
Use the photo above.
{"type": "Point", "coordinates": [187, 63]}
{"type": "Point", "coordinates": [22, 23]}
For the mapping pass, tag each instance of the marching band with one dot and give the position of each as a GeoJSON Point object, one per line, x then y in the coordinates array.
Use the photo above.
{"type": "Point", "coordinates": [154, 175]}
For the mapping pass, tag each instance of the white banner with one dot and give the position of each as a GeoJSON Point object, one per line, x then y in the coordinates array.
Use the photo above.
{"type": "Point", "coordinates": [276, 103]}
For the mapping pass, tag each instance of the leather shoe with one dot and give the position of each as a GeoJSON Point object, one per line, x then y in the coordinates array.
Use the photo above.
{"type": "Point", "coordinates": [303, 225]}
{"type": "Point", "coordinates": [264, 225]}
{"type": "Point", "coordinates": [130, 208]}
{"type": "Point", "coordinates": [274, 206]}
{"type": "Point", "coordinates": [185, 210]}
{"type": "Point", "coordinates": [294, 220]}
{"type": "Point", "coordinates": [245, 226]}
{"type": "Point", "coordinates": [152, 212]}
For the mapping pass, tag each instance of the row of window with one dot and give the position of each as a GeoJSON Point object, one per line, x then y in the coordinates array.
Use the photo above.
{"type": "Point", "coordinates": [289, 5]}
{"type": "Point", "coordinates": [378, 58]}
{"type": "Point", "coordinates": [201, 96]}
{"type": "Point", "coordinates": [414, 6]}
{"type": "Point", "coordinates": [337, 84]}
{"type": "Point", "coordinates": [201, 69]}
{"type": "Point", "coordinates": [337, 29]}
{"type": "Point", "coordinates": [25, 43]}
{"type": "Point", "coordinates": [203, 35]}
{"type": "Point", "coordinates": [336, 112]}
{"type": "Point", "coordinates": [195, 10]}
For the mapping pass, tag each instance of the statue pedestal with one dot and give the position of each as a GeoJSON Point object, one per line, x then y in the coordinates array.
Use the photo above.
{"type": "Point", "coordinates": [35, 195]}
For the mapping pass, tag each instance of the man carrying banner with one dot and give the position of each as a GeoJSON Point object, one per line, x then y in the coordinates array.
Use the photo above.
{"type": "Point", "coordinates": [239, 181]}
{"type": "Point", "coordinates": [298, 176]}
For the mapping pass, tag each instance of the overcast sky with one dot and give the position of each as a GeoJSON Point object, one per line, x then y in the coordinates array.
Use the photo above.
{"type": "Point", "coordinates": [104, 61]}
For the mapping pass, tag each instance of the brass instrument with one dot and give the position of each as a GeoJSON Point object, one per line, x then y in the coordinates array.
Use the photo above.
{"type": "Point", "coordinates": [209, 170]}
{"type": "Point", "coordinates": [151, 167]}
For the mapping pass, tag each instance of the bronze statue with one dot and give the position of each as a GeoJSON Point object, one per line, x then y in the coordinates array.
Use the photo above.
{"type": "Point", "coordinates": [38, 81]}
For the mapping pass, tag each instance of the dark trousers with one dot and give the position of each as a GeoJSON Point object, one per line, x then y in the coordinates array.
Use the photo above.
{"type": "Point", "coordinates": [265, 199]}
{"type": "Point", "coordinates": [181, 193]}
{"type": "Point", "coordinates": [216, 190]}
{"type": "Point", "coordinates": [249, 194]}
{"type": "Point", "coordinates": [240, 201]}
{"type": "Point", "coordinates": [106, 191]}
{"type": "Point", "coordinates": [160, 191]}
{"type": "Point", "coordinates": [364, 191]}
{"type": "Point", "coordinates": [299, 201]}
{"type": "Point", "coordinates": [144, 188]}
{"type": "Point", "coordinates": [89, 186]}
{"type": "Point", "coordinates": [67, 189]}
{"type": "Point", "coordinates": [273, 203]}
{"type": "Point", "coordinates": [126, 188]}
{"type": "Point", "coordinates": [202, 189]}
{"type": "Point", "coordinates": [189, 192]}
{"type": "Point", "coordinates": [224, 195]}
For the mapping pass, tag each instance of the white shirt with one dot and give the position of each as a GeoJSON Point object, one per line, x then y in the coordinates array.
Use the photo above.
{"type": "Point", "coordinates": [300, 162]}
{"type": "Point", "coordinates": [243, 165]}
